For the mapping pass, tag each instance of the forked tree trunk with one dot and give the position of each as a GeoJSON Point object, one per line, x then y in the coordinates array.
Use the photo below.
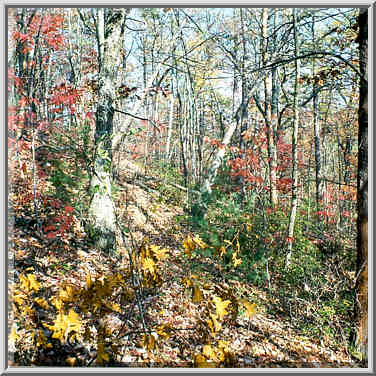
{"type": "Point", "coordinates": [361, 306]}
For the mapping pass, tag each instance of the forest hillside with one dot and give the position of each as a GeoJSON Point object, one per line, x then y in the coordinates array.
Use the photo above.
{"type": "Point", "coordinates": [188, 187]}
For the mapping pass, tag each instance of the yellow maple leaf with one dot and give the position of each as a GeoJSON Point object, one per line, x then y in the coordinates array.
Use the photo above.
{"type": "Point", "coordinates": [197, 295]}
{"type": "Point", "coordinates": [223, 345]}
{"type": "Point", "coordinates": [29, 282]}
{"type": "Point", "coordinates": [64, 325]}
{"type": "Point", "coordinates": [160, 253]}
{"type": "Point", "coordinates": [221, 306]}
{"type": "Point", "coordinates": [74, 321]}
{"type": "Point", "coordinates": [58, 328]}
{"type": "Point", "coordinates": [19, 299]}
{"type": "Point", "coordinates": [250, 308]}
{"type": "Point", "coordinates": [209, 352]}
{"type": "Point", "coordinates": [68, 294]}
{"type": "Point", "coordinates": [148, 264]}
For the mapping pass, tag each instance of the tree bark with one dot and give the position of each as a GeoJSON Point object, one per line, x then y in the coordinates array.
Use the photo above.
{"type": "Point", "coordinates": [294, 189]}
{"type": "Point", "coordinates": [102, 218]}
{"type": "Point", "coordinates": [361, 306]}
{"type": "Point", "coordinates": [270, 120]}
{"type": "Point", "coordinates": [317, 131]}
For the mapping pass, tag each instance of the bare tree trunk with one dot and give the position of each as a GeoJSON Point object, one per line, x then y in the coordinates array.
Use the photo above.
{"type": "Point", "coordinates": [317, 132]}
{"type": "Point", "coordinates": [102, 219]}
{"type": "Point", "coordinates": [361, 306]}
{"type": "Point", "coordinates": [170, 123]}
{"type": "Point", "coordinates": [269, 120]}
{"type": "Point", "coordinates": [294, 190]}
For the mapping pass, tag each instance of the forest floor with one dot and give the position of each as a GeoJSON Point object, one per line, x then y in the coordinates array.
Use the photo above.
{"type": "Point", "coordinates": [269, 338]}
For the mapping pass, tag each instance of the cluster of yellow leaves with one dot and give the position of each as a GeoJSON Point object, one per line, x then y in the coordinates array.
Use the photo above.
{"type": "Point", "coordinates": [150, 340]}
{"type": "Point", "coordinates": [213, 355]}
{"type": "Point", "coordinates": [220, 305]}
{"type": "Point", "coordinates": [190, 244]}
{"type": "Point", "coordinates": [64, 325]}
{"type": "Point", "coordinates": [150, 256]}
{"type": "Point", "coordinates": [29, 283]}
{"type": "Point", "coordinates": [23, 296]}
{"type": "Point", "coordinates": [235, 259]}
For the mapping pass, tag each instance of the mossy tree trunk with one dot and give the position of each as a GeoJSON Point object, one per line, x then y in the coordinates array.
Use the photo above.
{"type": "Point", "coordinates": [102, 218]}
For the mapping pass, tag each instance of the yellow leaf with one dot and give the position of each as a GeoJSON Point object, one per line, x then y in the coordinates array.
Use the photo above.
{"type": "Point", "coordinates": [19, 299]}
{"type": "Point", "coordinates": [116, 307]}
{"type": "Point", "coordinates": [64, 325]}
{"type": "Point", "coordinates": [235, 260]}
{"type": "Point", "coordinates": [88, 280]}
{"type": "Point", "coordinates": [42, 302]}
{"type": "Point", "coordinates": [148, 265]}
{"type": "Point", "coordinates": [13, 336]}
{"type": "Point", "coordinates": [237, 246]}
{"type": "Point", "coordinates": [29, 282]}
{"type": "Point", "coordinates": [199, 242]}
{"type": "Point", "coordinates": [42, 340]}
{"type": "Point", "coordinates": [223, 345]}
{"type": "Point", "coordinates": [34, 285]}
{"type": "Point", "coordinates": [222, 251]}
{"type": "Point", "coordinates": [68, 294]}
{"type": "Point", "coordinates": [71, 361]}
{"type": "Point", "coordinates": [57, 302]}
{"type": "Point", "coordinates": [201, 362]}
{"type": "Point", "coordinates": [221, 306]}
{"type": "Point", "coordinates": [148, 341]}
{"type": "Point", "coordinates": [59, 328]}
{"type": "Point", "coordinates": [209, 352]}
{"type": "Point", "coordinates": [213, 324]}
{"type": "Point", "coordinates": [197, 295]}
{"type": "Point", "coordinates": [250, 309]}
{"type": "Point", "coordinates": [164, 331]}
{"type": "Point", "coordinates": [188, 246]}
{"type": "Point", "coordinates": [74, 321]}
{"type": "Point", "coordinates": [159, 253]}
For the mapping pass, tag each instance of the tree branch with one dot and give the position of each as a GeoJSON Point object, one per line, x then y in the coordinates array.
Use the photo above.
{"type": "Point", "coordinates": [138, 117]}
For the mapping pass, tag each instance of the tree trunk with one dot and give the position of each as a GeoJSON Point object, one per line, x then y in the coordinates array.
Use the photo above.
{"type": "Point", "coordinates": [269, 119]}
{"type": "Point", "coordinates": [317, 131]}
{"type": "Point", "coordinates": [361, 306]}
{"type": "Point", "coordinates": [294, 189]}
{"type": "Point", "coordinates": [102, 218]}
